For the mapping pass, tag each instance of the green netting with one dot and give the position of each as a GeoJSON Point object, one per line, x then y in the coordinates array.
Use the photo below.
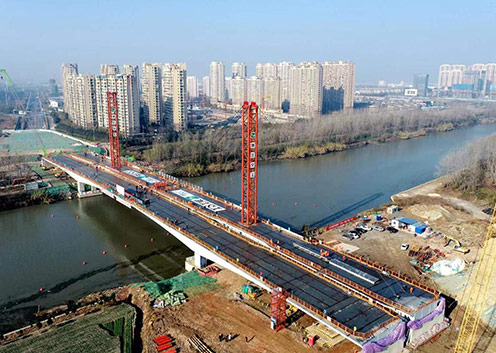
{"type": "Point", "coordinates": [54, 190]}
{"type": "Point", "coordinates": [179, 283]}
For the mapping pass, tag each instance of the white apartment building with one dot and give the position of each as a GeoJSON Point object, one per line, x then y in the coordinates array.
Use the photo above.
{"type": "Point", "coordinates": [284, 73]}
{"type": "Point", "coordinates": [151, 82]}
{"type": "Point", "coordinates": [272, 93]}
{"type": "Point", "coordinates": [174, 90]}
{"type": "Point", "coordinates": [217, 89]}
{"type": "Point", "coordinates": [450, 75]}
{"type": "Point", "coordinates": [238, 89]}
{"type": "Point", "coordinates": [68, 90]}
{"type": "Point", "coordinates": [338, 79]}
{"type": "Point", "coordinates": [306, 89]}
{"type": "Point", "coordinates": [238, 69]}
{"type": "Point", "coordinates": [266, 70]}
{"type": "Point", "coordinates": [128, 105]}
{"type": "Point", "coordinates": [109, 69]}
{"type": "Point", "coordinates": [85, 100]}
{"type": "Point", "coordinates": [254, 90]}
{"type": "Point", "coordinates": [192, 86]}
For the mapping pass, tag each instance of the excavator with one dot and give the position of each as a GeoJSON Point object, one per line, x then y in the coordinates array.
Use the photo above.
{"type": "Point", "coordinates": [458, 245]}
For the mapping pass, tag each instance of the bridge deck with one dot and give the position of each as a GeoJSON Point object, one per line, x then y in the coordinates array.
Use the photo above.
{"type": "Point", "coordinates": [337, 303]}
{"type": "Point", "coordinates": [385, 286]}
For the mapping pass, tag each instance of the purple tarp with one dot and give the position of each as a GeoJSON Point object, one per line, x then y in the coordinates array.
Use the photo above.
{"type": "Point", "coordinates": [379, 346]}
{"type": "Point", "coordinates": [416, 324]}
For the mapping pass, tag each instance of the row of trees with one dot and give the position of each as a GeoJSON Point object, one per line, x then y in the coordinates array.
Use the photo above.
{"type": "Point", "coordinates": [473, 167]}
{"type": "Point", "coordinates": [214, 150]}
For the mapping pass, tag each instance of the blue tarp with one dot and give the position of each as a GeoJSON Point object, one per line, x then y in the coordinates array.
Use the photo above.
{"type": "Point", "coordinates": [407, 220]}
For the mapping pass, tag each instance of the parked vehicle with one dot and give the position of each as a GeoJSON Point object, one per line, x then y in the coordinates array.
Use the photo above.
{"type": "Point", "coordinates": [392, 229]}
{"type": "Point", "coordinates": [363, 226]}
{"type": "Point", "coordinates": [351, 236]}
{"type": "Point", "coordinates": [405, 246]}
{"type": "Point", "coordinates": [378, 228]}
{"type": "Point", "coordinates": [360, 231]}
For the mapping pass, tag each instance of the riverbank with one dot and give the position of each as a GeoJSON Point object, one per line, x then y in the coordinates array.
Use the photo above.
{"type": "Point", "coordinates": [208, 151]}
{"type": "Point", "coordinates": [208, 311]}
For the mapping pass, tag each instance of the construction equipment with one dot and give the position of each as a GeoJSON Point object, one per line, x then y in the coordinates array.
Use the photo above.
{"type": "Point", "coordinates": [478, 292]}
{"type": "Point", "coordinates": [458, 245]}
{"type": "Point", "coordinates": [249, 163]}
{"type": "Point", "coordinates": [252, 291]}
{"type": "Point", "coordinates": [5, 76]}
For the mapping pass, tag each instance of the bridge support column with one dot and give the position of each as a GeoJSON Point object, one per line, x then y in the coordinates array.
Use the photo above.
{"type": "Point", "coordinates": [80, 187]}
{"type": "Point", "coordinates": [200, 261]}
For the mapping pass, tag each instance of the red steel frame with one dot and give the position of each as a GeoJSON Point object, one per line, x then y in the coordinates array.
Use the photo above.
{"type": "Point", "coordinates": [249, 163]}
{"type": "Point", "coordinates": [278, 308]}
{"type": "Point", "coordinates": [113, 122]}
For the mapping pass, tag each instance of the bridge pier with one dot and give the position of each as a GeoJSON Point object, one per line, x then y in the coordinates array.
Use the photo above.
{"type": "Point", "coordinates": [200, 261]}
{"type": "Point", "coordinates": [84, 192]}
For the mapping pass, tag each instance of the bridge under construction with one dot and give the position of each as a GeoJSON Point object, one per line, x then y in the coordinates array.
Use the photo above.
{"type": "Point", "coordinates": [369, 304]}
{"type": "Point", "coordinates": [373, 306]}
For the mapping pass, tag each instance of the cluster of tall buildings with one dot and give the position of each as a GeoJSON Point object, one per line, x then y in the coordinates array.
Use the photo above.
{"type": "Point", "coordinates": [306, 89]}
{"type": "Point", "coordinates": [473, 81]}
{"type": "Point", "coordinates": [162, 100]}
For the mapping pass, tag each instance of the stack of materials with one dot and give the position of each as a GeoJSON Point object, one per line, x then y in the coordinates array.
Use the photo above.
{"type": "Point", "coordinates": [165, 344]}
{"type": "Point", "coordinates": [172, 298]}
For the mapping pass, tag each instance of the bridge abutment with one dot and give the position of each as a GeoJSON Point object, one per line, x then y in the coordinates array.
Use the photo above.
{"type": "Point", "coordinates": [85, 190]}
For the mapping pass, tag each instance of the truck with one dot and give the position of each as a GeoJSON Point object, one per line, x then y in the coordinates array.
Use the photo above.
{"type": "Point", "coordinates": [252, 291]}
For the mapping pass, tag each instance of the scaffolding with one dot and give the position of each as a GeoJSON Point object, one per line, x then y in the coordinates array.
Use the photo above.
{"type": "Point", "coordinates": [113, 130]}
{"type": "Point", "coordinates": [249, 164]}
{"type": "Point", "coordinates": [278, 309]}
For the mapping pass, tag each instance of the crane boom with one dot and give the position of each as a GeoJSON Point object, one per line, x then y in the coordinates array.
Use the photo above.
{"type": "Point", "coordinates": [6, 77]}
{"type": "Point", "coordinates": [478, 292]}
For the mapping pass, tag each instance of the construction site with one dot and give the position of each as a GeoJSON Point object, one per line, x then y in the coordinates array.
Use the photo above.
{"type": "Point", "coordinates": [270, 286]}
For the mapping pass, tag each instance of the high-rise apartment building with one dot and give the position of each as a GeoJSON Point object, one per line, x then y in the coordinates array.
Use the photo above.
{"type": "Point", "coordinates": [192, 86]}
{"type": "Point", "coordinates": [284, 73]}
{"type": "Point", "coordinates": [421, 84]}
{"type": "Point", "coordinates": [131, 70]}
{"type": "Point", "coordinates": [254, 89]}
{"type": "Point", "coordinates": [338, 80]}
{"type": "Point", "coordinates": [266, 70]}
{"type": "Point", "coordinates": [272, 93]}
{"type": "Point", "coordinates": [238, 89]}
{"type": "Point", "coordinates": [450, 75]}
{"type": "Point", "coordinates": [151, 82]}
{"type": "Point", "coordinates": [306, 89]}
{"type": "Point", "coordinates": [476, 80]}
{"type": "Point", "coordinates": [206, 86]}
{"type": "Point", "coordinates": [238, 70]}
{"type": "Point", "coordinates": [85, 100]}
{"type": "Point", "coordinates": [109, 69]}
{"type": "Point", "coordinates": [217, 85]}
{"type": "Point", "coordinates": [128, 104]}
{"type": "Point", "coordinates": [68, 70]}
{"type": "Point", "coordinates": [174, 94]}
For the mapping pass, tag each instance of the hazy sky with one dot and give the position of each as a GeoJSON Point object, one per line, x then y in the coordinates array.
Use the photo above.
{"type": "Point", "coordinates": [387, 40]}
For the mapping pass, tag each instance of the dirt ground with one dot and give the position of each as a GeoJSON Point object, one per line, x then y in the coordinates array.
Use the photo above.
{"type": "Point", "coordinates": [217, 312]}
{"type": "Point", "coordinates": [449, 213]}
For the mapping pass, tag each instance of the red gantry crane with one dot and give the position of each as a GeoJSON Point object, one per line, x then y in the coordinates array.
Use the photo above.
{"type": "Point", "coordinates": [113, 123]}
{"type": "Point", "coordinates": [249, 164]}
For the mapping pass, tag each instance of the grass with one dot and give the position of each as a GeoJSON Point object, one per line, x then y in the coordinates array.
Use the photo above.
{"type": "Point", "coordinates": [83, 335]}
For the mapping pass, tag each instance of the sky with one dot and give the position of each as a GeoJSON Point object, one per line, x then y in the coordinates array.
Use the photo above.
{"type": "Point", "coordinates": [388, 40]}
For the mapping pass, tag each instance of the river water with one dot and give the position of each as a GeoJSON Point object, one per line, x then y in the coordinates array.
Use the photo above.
{"type": "Point", "coordinates": [41, 251]}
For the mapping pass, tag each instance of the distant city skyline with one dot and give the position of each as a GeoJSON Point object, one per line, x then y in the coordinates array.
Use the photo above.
{"type": "Point", "coordinates": [387, 40]}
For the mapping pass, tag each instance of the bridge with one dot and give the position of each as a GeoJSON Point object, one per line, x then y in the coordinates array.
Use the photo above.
{"type": "Point", "coordinates": [369, 304]}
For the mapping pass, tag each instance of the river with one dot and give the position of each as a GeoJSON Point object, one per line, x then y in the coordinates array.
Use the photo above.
{"type": "Point", "coordinates": [41, 251]}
